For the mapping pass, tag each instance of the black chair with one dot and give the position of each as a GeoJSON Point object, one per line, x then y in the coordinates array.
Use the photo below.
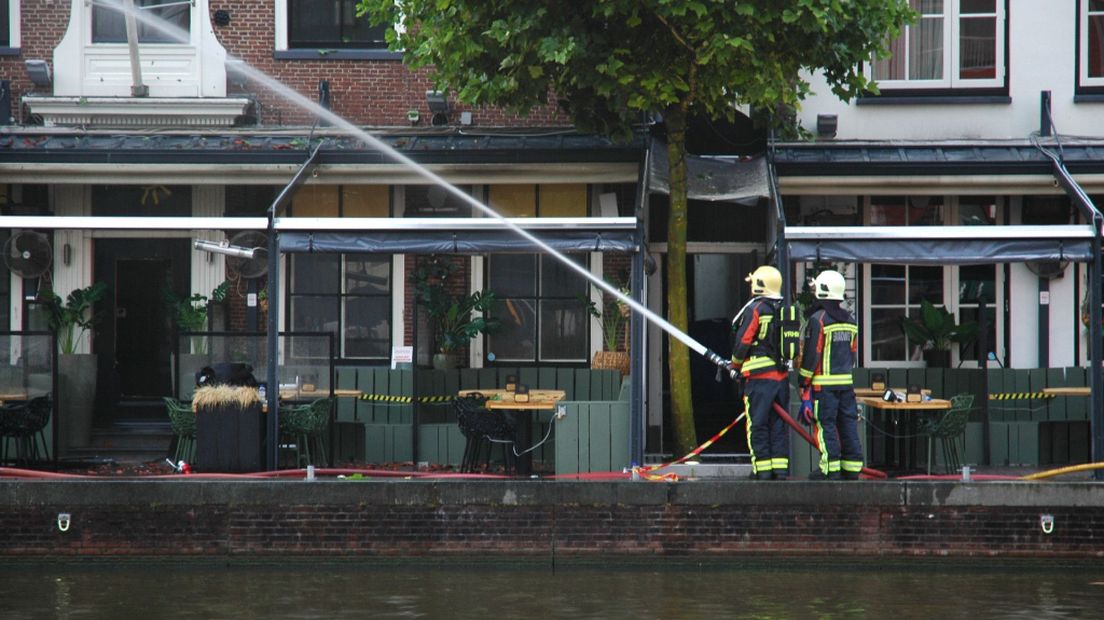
{"type": "Point", "coordinates": [183, 421]}
{"type": "Point", "coordinates": [306, 425]}
{"type": "Point", "coordinates": [25, 423]}
{"type": "Point", "coordinates": [483, 428]}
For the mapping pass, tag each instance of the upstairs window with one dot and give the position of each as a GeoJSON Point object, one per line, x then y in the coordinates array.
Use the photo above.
{"type": "Point", "coordinates": [954, 44]}
{"type": "Point", "coordinates": [318, 24]}
{"type": "Point", "coordinates": [1091, 43]}
{"type": "Point", "coordinates": [109, 24]}
{"type": "Point", "coordinates": [9, 24]}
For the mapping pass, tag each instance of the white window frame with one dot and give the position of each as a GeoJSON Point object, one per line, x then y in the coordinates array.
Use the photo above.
{"type": "Point", "coordinates": [14, 20]}
{"type": "Point", "coordinates": [1083, 78]}
{"type": "Point", "coordinates": [951, 53]}
{"type": "Point", "coordinates": [950, 296]}
{"type": "Point", "coordinates": [281, 30]}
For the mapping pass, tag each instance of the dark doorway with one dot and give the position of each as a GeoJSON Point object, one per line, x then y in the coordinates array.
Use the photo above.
{"type": "Point", "coordinates": [134, 342]}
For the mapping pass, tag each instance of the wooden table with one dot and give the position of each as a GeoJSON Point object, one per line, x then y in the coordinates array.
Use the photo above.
{"type": "Point", "coordinates": [869, 391]}
{"type": "Point", "coordinates": [903, 446]}
{"type": "Point", "coordinates": [539, 400]}
{"type": "Point", "coordinates": [1068, 391]}
{"type": "Point", "coordinates": [286, 394]}
{"type": "Point", "coordinates": [6, 396]}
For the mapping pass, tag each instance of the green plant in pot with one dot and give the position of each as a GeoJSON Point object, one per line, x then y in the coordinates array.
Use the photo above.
{"type": "Point", "coordinates": [189, 315]}
{"type": "Point", "coordinates": [452, 314]}
{"type": "Point", "coordinates": [935, 331]}
{"type": "Point", "coordinates": [69, 319]}
{"type": "Point", "coordinates": [73, 317]}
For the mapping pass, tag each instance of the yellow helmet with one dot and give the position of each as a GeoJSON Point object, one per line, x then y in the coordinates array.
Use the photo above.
{"type": "Point", "coordinates": [829, 285]}
{"type": "Point", "coordinates": [765, 280]}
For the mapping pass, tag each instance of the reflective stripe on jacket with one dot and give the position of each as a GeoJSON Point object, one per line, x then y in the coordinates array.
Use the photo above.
{"type": "Point", "coordinates": [755, 351]}
{"type": "Point", "coordinates": [830, 350]}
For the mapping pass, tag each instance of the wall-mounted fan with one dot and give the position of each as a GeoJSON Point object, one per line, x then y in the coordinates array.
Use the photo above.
{"type": "Point", "coordinates": [28, 254]}
{"type": "Point", "coordinates": [250, 268]}
{"type": "Point", "coordinates": [1047, 269]}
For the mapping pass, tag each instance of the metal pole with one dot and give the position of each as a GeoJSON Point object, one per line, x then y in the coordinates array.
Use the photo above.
{"type": "Point", "coordinates": [137, 89]}
{"type": "Point", "coordinates": [981, 393]}
{"type": "Point", "coordinates": [272, 435]}
{"type": "Point", "coordinates": [638, 415]}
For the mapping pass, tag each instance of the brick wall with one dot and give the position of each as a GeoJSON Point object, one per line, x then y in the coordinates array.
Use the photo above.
{"type": "Point", "coordinates": [367, 92]}
{"type": "Point", "coordinates": [426, 518]}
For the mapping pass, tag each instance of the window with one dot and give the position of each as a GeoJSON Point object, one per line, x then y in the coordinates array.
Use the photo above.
{"type": "Point", "coordinates": [306, 27]}
{"type": "Point", "coordinates": [435, 201]}
{"type": "Point", "coordinates": [348, 295]}
{"type": "Point", "coordinates": [895, 291]}
{"type": "Point", "coordinates": [566, 200]}
{"type": "Point", "coordinates": [109, 24]}
{"type": "Point", "coordinates": [1091, 37]}
{"type": "Point", "coordinates": [330, 24]}
{"type": "Point", "coordinates": [954, 44]}
{"type": "Point", "coordinates": [9, 24]}
{"type": "Point", "coordinates": [538, 303]}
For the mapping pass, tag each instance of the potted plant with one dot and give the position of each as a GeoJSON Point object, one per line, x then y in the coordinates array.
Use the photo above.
{"type": "Point", "coordinates": [189, 315]}
{"type": "Point", "coordinates": [614, 320]}
{"type": "Point", "coordinates": [70, 319]}
{"type": "Point", "coordinates": [934, 331]}
{"type": "Point", "coordinates": [453, 314]}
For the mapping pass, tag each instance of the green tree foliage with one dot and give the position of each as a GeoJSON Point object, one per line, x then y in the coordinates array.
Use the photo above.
{"type": "Point", "coordinates": [608, 63]}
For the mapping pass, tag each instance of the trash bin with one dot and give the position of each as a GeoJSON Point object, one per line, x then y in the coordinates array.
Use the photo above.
{"type": "Point", "coordinates": [229, 429]}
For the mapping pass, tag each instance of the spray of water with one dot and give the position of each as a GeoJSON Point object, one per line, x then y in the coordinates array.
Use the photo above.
{"type": "Point", "coordinates": [291, 95]}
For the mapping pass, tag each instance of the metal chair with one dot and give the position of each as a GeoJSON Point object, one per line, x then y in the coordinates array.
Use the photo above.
{"type": "Point", "coordinates": [482, 428]}
{"type": "Point", "coordinates": [25, 424]}
{"type": "Point", "coordinates": [306, 425]}
{"type": "Point", "coordinates": [183, 422]}
{"type": "Point", "coordinates": [948, 428]}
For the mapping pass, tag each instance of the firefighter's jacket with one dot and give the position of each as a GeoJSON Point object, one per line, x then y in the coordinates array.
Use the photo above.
{"type": "Point", "coordinates": [829, 352]}
{"type": "Point", "coordinates": [755, 353]}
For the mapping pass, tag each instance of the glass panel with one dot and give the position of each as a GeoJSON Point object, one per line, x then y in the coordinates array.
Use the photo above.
{"type": "Point", "coordinates": [925, 210]}
{"type": "Point", "coordinates": [514, 200]}
{"type": "Point", "coordinates": [969, 350]}
{"type": "Point", "coordinates": [516, 340]}
{"type": "Point", "coordinates": [5, 25]}
{"type": "Point", "coordinates": [559, 280]}
{"type": "Point", "coordinates": [315, 201]}
{"type": "Point", "coordinates": [1096, 44]}
{"type": "Point", "coordinates": [434, 201]}
{"type": "Point", "coordinates": [367, 327]}
{"type": "Point", "coordinates": [892, 68]}
{"type": "Point", "coordinates": [365, 201]}
{"type": "Point", "coordinates": [887, 211]}
{"type": "Point", "coordinates": [977, 211]}
{"type": "Point", "coordinates": [975, 281]}
{"type": "Point", "coordinates": [315, 273]}
{"type": "Point", "coordinates": [1096, 5]}
{"type": "Point", "coordinates": [314, 314]}
{"type": "Point", "coordinates": [926, 49]}
{"type": "Point", "coordinates": [109, 25]}
{"type": "Point", "coordinates": [977, 54]}
{"type": "Point", "coordinates": [332, 23]}
{"type": "Point", "coordinates": [925, 283]}
{"type": "Point", "coordinates": [367, 275]}
{"type": "Point", "coordinates": [513, 276]}
{"type": "Point", "coordinates": [563, 200]}
{"type": "Point", "coordinates": [927, 7]}
{"type": "Point", "coordinates": [978, 6]}
{"type": "Point", "coordinates": [563, 330]}
{"type": "Point", "coordinates": [887, 284]}
{"type": "Point", "coordinates": [887, 341]}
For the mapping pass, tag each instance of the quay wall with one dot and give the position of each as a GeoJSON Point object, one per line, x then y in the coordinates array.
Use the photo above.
{"type": "Point", "coordinates": [531, 518]}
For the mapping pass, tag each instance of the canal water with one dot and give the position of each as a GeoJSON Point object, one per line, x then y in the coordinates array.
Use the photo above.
{"type": "Point", "coordinates": [661, 588]}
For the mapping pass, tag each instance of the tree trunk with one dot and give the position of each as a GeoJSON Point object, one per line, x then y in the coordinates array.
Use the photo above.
{"type": "Point", "coordinates": [678, 356]}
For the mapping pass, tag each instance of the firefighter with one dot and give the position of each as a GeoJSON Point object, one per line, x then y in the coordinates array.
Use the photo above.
{"type": "Point", "coordinates": [827, 389]}
{"type": "Point", "coordinates": [757, 358]}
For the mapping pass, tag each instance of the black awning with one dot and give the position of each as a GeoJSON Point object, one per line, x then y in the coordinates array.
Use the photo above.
{"type": "Point", "coordinates": [714, 179]}
{"type": "Point", "coordinates": [445, 242]}
{"type": "Point", "coordinates": [940, 245]}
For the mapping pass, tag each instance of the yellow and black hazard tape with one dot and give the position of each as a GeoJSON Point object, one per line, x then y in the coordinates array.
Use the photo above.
{"type": "Point", "coordinates": [645, 471]}
{"type": "Point", "coordinates": [1019, 395]}
{"type": "Point", "coordinates": [387, 398]}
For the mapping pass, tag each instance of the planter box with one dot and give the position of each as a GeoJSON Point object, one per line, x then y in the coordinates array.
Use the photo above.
{"type": "Point", "coordinates": [229, 438]}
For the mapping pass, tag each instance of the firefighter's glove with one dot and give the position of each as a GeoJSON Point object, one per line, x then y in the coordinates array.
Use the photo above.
{"type": "Point", "coordinates": [805, 414]}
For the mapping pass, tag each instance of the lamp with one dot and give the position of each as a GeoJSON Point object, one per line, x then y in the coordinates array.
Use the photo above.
{"type": "Point", "coordinates": [827, 125]}
{"type": "Point", "coordinates": [438, 106]}
{"type": "Point", "coordinates": [223, 247]}
{"type": "Point", "coordinates": [39, 72]}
